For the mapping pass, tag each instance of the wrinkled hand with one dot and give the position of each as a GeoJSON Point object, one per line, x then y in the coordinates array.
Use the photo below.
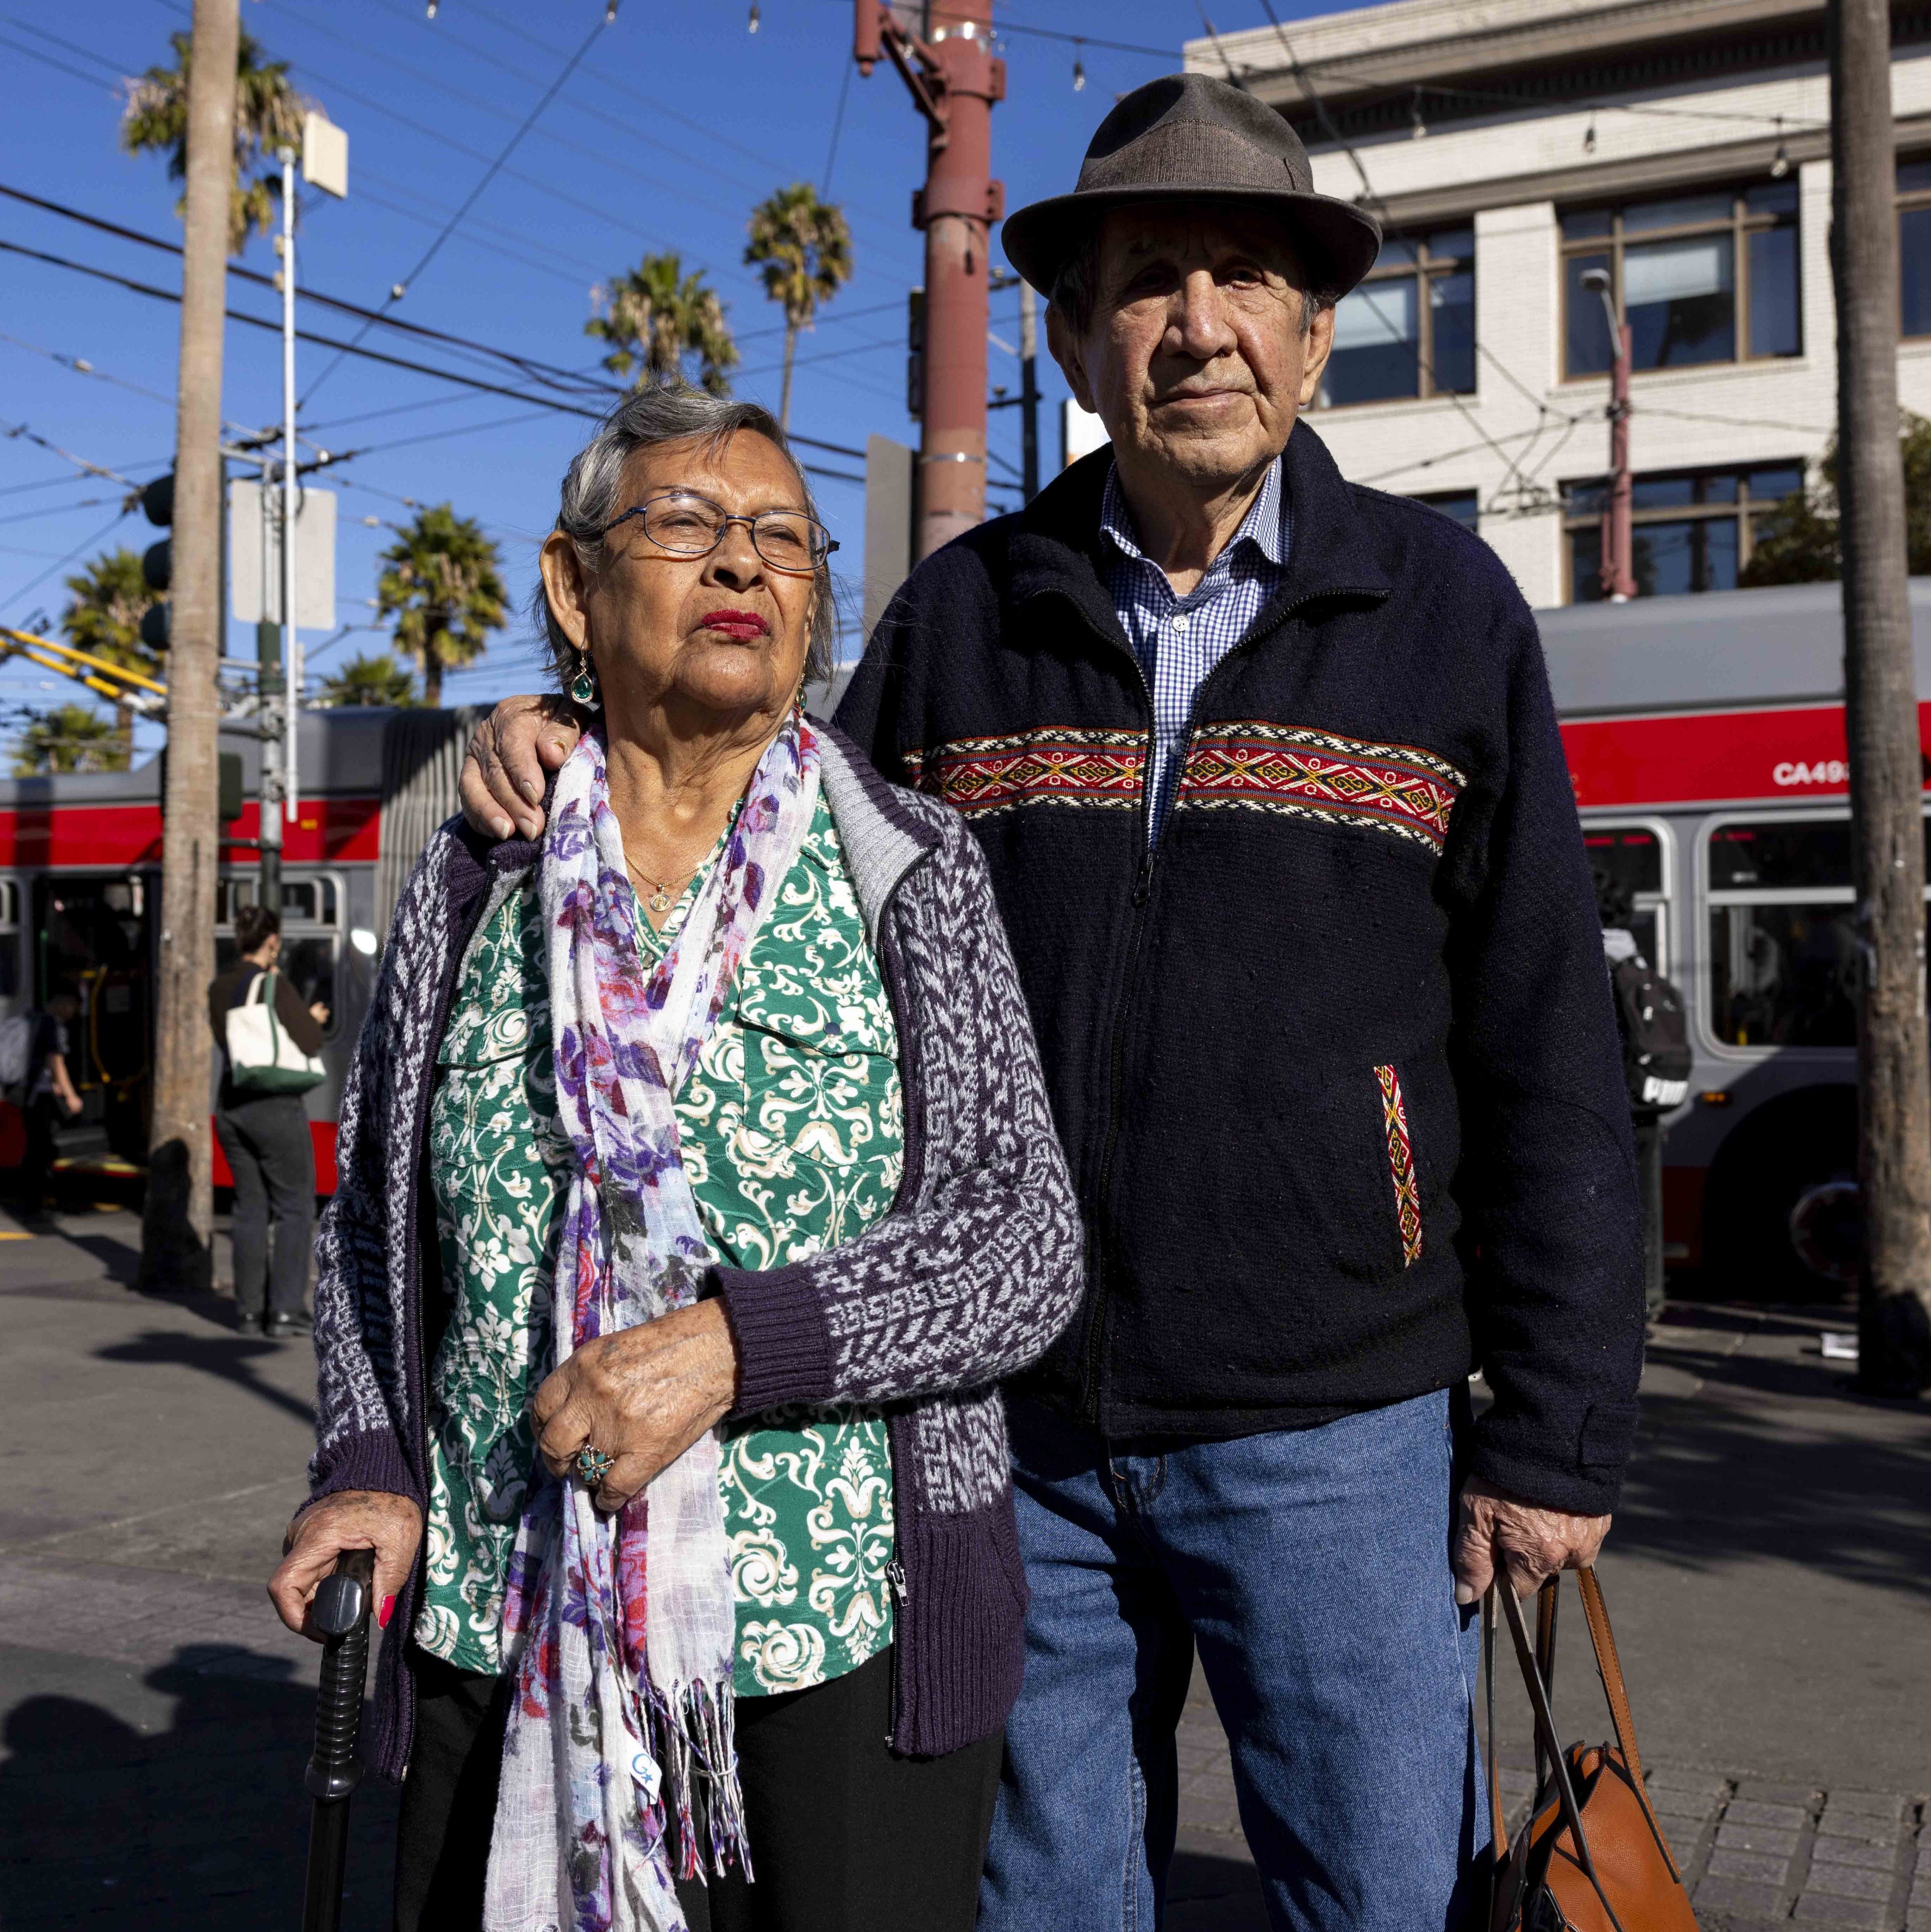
{"type": "Point", "coordinates": [642, 1396]}
{"type": "Point", "coordinates": [391, 1525]}
{"type": "Point", "coordinates": [1530, 1544]}
{"type": "Point", "coordinates": [501, 788]}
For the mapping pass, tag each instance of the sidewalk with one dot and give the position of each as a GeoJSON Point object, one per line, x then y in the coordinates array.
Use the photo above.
{"type": "Point", "coordinates": [1769, 1575]}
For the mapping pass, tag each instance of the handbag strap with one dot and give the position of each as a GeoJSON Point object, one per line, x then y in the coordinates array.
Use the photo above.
{"type": "Point", "coordinates": [1548, 1602]}
{"type": "Point", "coordinates": [1603, 1641]}
{"type": "Point", "coordinates": [1550, 1740]}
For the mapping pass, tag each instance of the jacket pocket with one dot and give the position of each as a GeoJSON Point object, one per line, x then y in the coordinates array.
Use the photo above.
{"type": "Point", "coordinates": [1399, 1140]}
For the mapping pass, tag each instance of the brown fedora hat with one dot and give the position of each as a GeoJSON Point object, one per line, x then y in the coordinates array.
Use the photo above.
{"type": "Point", "coordinates": [1188, 138]}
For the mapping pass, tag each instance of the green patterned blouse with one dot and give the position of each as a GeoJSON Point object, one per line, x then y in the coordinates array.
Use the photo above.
{"type": "Point", "coordinates": [793, 1137]}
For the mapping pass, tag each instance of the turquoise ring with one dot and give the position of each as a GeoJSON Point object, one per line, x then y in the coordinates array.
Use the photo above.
{"type": "Point", "coordinates": [593, 1466]}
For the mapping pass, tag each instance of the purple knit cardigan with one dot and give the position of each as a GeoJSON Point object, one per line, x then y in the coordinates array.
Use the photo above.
{"type": "Point", "coordinates": [975, 1270]}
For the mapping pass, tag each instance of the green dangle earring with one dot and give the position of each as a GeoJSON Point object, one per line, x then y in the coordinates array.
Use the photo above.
{"type": "Point", "coordinates": [583, 685]}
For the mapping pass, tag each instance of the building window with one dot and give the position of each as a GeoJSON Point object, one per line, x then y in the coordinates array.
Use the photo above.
{"type": "Point", "coordinates": [1701, 278]}
{"type": "Point", "coordinates": [1690, 531]}
{"type": "Point", "coordinates": [1409, 329]}
{"type": "Point", "coordinates": [1913, 245]}
{"type": "Point", "coordinates": [1462, 505]}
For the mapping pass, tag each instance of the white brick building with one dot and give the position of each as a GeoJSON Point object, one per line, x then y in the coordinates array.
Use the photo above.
{"type": "Point", "coordinates": [1509, 145]}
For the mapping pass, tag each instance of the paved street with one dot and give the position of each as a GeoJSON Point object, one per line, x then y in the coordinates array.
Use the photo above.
{"type": "Point", "coordinates": [1769, 1577]}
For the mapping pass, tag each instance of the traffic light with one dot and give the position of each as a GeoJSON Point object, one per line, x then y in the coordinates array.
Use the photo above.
{"type": "Point", "coordinates": [157, 564]}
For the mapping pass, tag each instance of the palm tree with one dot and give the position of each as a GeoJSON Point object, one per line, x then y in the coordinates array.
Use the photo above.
{"type": "Point", "coordinates": [375, 679]}
{"type": "Point", "coordinates": [110, 597]}
{"type": "Point", "coordinates": [657, 319]}
{"type": "Point", "coordinates": [268, 115]}
{"type": "Point", "coordinates": [70, 738]}
{"type": "Point", "coordinates": [444, 586]}
{"type": "Point", "coordinates": [805, 248]}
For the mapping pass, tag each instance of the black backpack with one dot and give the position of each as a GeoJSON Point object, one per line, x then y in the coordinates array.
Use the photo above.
{"type": "Point", "coordinates": [1655, 1037]}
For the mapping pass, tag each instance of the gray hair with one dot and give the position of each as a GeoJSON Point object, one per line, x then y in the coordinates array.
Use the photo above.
{"type": "Point", "coordinates": [1075, 290]}
{"type": "Point", "coordinates": [665, 413]}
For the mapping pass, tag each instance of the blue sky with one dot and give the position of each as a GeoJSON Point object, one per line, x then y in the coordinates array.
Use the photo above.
{"type": "Point", "coordinates": [675, 123]}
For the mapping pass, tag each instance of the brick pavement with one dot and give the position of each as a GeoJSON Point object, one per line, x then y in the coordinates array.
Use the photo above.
{"type": "Point", "coordinates": [1754, 1853]}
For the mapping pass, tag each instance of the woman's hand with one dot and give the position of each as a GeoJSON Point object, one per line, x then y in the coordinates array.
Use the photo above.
{"type": "Point", "coordinates": [642, 1396]}
{"type": "Point", "coordinates": [501, 788]}
{"type": "Point", "coordinates": [391, 1525]}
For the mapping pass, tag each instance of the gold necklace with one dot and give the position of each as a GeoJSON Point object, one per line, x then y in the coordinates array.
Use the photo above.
{"type": "Point", "coordinates": [661, 900]}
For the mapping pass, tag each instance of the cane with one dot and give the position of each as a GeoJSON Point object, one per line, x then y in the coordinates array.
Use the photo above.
{"type": "Point", "coordinates": [340, 1612]}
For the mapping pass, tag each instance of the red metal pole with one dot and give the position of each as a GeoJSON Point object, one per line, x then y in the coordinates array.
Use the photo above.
{"type": "Point", "coordinates": [1619, 581]}
{"type": "Point", "coordinates": [955, 79]}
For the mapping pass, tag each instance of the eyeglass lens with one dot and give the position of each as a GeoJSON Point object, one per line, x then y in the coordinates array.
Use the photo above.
{"type": "Point", "coordinates": [692, 525]}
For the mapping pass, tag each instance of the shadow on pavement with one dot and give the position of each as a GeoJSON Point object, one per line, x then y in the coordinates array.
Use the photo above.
{"type": "Point", "coordinates": [233, 1357]}
{"type": "Point", "coordinates": [1835, 1482]}
{"type": "Point", "coordinates": [204, 1826]}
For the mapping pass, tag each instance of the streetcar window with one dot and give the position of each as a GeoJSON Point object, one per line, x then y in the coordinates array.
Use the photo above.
{"type": "Point", "coordinates": [1783, 975]}
{"type": "Point", "coordinates": [10, 939]}
{"type": "Point", "coordinates": [307, 963]}
{"type": "Point", "coordinates": [1631, 855]}
{"type": "Point", "coordinates": [311, 901]}
{"type": "Point", "coordinates": [1775, 855]}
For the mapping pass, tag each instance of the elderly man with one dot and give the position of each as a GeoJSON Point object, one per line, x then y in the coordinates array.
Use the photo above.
{"type": "Point", "coordinates": [1267, 771]}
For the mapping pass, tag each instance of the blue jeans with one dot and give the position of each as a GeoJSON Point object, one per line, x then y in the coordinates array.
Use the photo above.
{"type": "Point", "coordinates": [1312, 1568]}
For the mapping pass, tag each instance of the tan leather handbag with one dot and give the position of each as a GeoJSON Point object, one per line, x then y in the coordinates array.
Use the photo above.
{"type": "Point", "coordinates": [1593, 1858]}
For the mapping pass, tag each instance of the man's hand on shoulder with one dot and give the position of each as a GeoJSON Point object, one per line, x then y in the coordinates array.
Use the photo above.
{"type": "Point", "coordinates": [1530, 1544]}
{"type": "Point", "coordinates": [510, 751]}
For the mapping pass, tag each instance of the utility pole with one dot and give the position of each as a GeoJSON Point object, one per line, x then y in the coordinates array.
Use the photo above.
{"type": "Point", "coordinates": [1881, 704]}
{"type": "Point", "coordinates": [1029, 391]}
{"type": "Point", "coordinates": [954, 80]}
{"type": "Point", "coordinates": [1618, 566]}
{"type": "Point", "coordinates": [177, 1223]}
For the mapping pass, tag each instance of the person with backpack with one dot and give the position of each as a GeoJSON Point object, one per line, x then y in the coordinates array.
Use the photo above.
{"type": "Point", "coordinates": [34, 1047]}
{"type": "Point", "coordinates": [263, 1128]}
{"type": "Point", "coordinates": [1655, 1060]}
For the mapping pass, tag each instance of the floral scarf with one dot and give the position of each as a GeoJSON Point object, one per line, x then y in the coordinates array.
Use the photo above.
{"type": "Point", "coordinates": [622, 1721]}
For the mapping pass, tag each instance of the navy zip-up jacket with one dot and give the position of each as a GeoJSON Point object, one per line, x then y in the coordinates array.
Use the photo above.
{"type": "Point", "coordinates": [1334, 1064]}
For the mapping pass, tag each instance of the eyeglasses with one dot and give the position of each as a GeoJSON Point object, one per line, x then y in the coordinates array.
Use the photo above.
{"type": "Point", "coordinates": [687, 525]}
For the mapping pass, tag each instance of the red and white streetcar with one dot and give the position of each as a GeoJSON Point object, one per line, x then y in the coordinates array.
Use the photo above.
{"type": "Point", "coordinates": [1704, 735]}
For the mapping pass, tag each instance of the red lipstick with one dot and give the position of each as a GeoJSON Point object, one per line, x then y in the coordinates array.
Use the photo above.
{"type": "Point", "coordinates": [742, 624]}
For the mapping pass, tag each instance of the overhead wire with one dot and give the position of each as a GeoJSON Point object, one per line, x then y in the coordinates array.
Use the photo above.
{"type": "Point", "coordinates": [398, 289]}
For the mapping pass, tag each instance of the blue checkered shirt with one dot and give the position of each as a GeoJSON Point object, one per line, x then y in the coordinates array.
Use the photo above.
{"type": "Point", "coordinates": [1178, 640]}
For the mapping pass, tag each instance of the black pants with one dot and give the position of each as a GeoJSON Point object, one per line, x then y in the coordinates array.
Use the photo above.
{"type": "Point", "coordinates": [272, 1157]}
{"type": "Point", "coordinates": [41, 1112]}
{"type": "Point", "coordinates": [843, 1834]}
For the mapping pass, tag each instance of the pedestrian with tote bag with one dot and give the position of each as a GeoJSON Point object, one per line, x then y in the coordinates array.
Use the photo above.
{"type": "Point", "coordinates": [269, 1039]}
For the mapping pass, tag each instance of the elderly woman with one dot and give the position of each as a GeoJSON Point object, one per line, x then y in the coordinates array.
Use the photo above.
{"type": "Point", "coordinates": [697, 1187]}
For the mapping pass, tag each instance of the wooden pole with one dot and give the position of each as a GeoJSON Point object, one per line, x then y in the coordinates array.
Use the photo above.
{"type": "Point", "coordinates": [177, 1224]}
{"type": "Point", "coordinates": [1881, 691]}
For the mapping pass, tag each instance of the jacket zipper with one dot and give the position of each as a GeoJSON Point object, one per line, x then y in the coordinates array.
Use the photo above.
{"type": "Point", "coordinates": [1093, 1373]}
{"type": "Point", "coordinates": [1093, 1369]}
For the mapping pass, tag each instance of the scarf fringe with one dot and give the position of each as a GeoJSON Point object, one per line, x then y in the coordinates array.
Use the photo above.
{"type": "Point", "coordinates": [693, 1738]}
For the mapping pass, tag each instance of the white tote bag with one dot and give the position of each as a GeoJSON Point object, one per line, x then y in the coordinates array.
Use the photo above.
{"type": "Point", "coordinates": [262, 1058]}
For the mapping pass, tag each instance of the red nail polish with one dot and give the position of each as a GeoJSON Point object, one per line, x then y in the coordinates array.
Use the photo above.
{"type": "Point", "coordinates": [387, 1611]}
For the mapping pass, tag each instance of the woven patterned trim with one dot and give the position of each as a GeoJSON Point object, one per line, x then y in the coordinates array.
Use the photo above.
{"type": "Point", "coordinates": [1048, 766]}
{"type": "Point", "coordinates": [1400, 1163]}
{"type": "Point", "coordinates": [1306, 773]}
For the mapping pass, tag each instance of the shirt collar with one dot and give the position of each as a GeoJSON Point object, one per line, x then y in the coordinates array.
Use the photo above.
{"type": "Point", "coordinates": [1264, 525]}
